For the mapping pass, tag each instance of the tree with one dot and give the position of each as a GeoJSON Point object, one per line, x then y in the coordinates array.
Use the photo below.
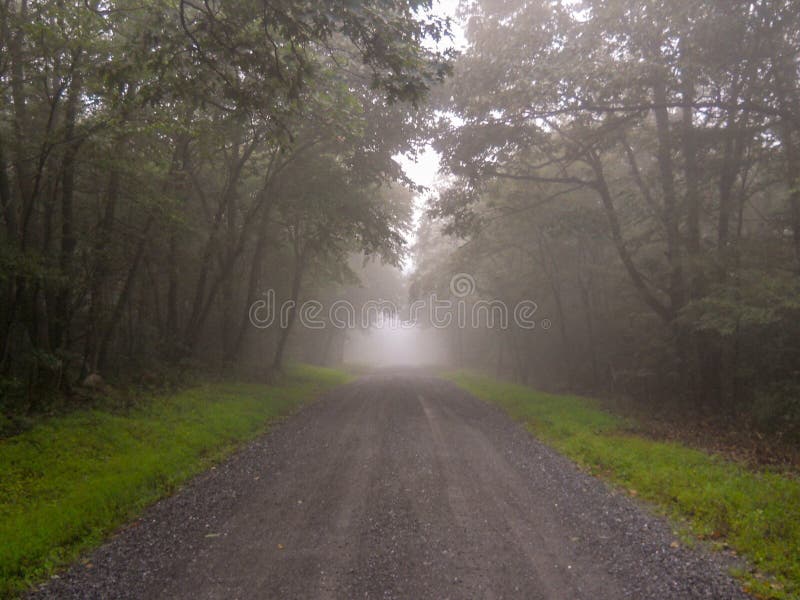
{"type": "Point", "coordinates": [669, 115]}
{"type": "Point", "coordinates": [142, 147]}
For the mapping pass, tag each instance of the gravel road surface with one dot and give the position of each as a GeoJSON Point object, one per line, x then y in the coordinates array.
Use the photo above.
{"type": "Point", "coordinates": [396, 486]}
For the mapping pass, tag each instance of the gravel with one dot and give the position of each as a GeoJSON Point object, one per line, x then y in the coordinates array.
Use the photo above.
{"type": "Point", "coordinates": [396, 486]}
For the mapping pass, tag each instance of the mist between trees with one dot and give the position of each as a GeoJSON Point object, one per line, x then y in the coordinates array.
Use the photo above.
{"type": "Point", "coordinates": [633, 167]}
{"type": "Point", "coordinates": [432, 312]}
{"type": "Point", "coordinates": [161, 162]}
{"type": "Point", "coordinates": [639, 162]}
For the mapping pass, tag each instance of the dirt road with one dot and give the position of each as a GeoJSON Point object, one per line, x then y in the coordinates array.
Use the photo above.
{"type": "Point", "coordinates": [396, 486]}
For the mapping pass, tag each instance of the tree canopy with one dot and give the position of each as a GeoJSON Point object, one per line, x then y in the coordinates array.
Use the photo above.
{"type": "Point", "coordinates": [639, 161]}
{"type": "Point", "coordinates": [162, 162]}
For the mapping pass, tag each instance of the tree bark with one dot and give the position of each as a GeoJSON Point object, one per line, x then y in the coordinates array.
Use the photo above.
{"type": "Point", "coordinates": [100, 269]}
{"type": "Point", "coordinates": [252, 284]}
{"type": "Point", "coordinates": [670, 204]}
{"type": "Point", "coordinates": [692, 183]}
{"type": "Point", "coordinates": [585, 286]}
{"type": "Point", "coordinates": [550, 266]}
{"type": "Point", "coordinates": [601, 186]}
{"type": "Point", "coordinates": [68, 241]}
{"type": "Point", "coordinates": [283, 335]}
{"type": "Point", "coordinates": [122, 299]}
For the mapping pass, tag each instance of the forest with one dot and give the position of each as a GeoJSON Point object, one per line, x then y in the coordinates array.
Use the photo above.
{"type": "Point", "coordinates": [222, 215]}
{"type": "Point", "coordinates": [635, 173]}
{"type": "Point", "coordinates": [162, 163]}
{"type": "Point", "coordinates": [634, 168]}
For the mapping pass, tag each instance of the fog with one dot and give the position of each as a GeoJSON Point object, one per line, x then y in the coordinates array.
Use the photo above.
{"type": "Point", "coordinates": [395, 347]}
{"type": "Point", "coordinates": [595, 198]}
{"type": "Point", "coordinates": [627, 173]}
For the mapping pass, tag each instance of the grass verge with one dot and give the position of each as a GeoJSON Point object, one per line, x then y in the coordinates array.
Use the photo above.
{"type": "Point", "coordinates": [69, 481]}
{"type": "Point", "coordinates": [755, 513]}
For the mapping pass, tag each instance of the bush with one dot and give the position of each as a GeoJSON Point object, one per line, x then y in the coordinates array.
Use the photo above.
{"type": "Point", "coordinates": [777, 411]}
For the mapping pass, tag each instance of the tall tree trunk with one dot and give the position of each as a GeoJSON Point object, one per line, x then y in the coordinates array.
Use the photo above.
{"type": "Point", "coordinates": [203, 296]}
{"type": "Point", "coordinates": [23, 189]}
{"type": "Point", "coordinates": [252, 284]}
{"type": "Point", "coordinates": [202, 300]}
{"type": "Point", "coordinates": [692, 183]}
{"type": "Point", "coordinates": [123, 298]}
{"type": "Point", "coordinates": [670, 204]}
{"type": "Point", "coordinates": [6, 199]}
{"type": "Point", "coordinates": [585, 286]}
{"type": "Point", "coordinates": [21, 133]}
{"type": "Point", "coordinates": [638, 280]}
{"type": "Point", "coordinates": [68, 241]}
{"type": "Point", "coordinates": [792, 158]}
{"type": "Point", "coordinates": [100, 270]}
{"type": "Point", "coordinates": [786, 82]}
{"type": "Point", "coordinates": [550, 265]}
{"type": "Point", "coordinates": [283, 334]}
{"type": "Point", "coordinates": [676, 290]}
{"type": "Point", "coordinates": [229, 247]}
{"type": "Point", "coordinates": [172, 322]}
{"type": "Point", "coordinates": [9, 215]}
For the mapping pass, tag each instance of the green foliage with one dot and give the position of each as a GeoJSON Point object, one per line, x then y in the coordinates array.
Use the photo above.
{"type": "Point", "coordinates": [71, 480]}
{"type": "Point", "coordinates": [757, 513]}
{"type": "Point", "coordinates": [144, 167]}
{"type": "Point", "coordinates": [776, 411]}
{"type": "Point", "coordinates": [755, 300]}
{"type": "Point", "coordinates": [593, 167]}
{"type": "Point", "coordinates": [28, 266]}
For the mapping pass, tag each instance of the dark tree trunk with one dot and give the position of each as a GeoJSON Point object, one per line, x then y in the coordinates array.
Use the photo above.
{"type": "Point", "coordinates": [122, 299]}
{"type": "Point", "coordinates": [100, 270]}
{"type": "Point", "coordinates": [649, 297]}
{"type": "Point", "coordinates": [252, 285]}
{"type": "Point", "coordinates": [585, 285]}
{"type": "Point", "coordinates": [666, 172]}
{"type": "Point", "coordinates": [9, 215]}
{"type": "Point", "coordinates": [203, 295]}
{"type": "Point", "coordinates": [283, 334]}
{"type": "Point", "coordinates": [793, 180]}
{"type": "Point", "coordinates": [171, 325]}
{"type": "Point", "coordinates": [68, 242]}
{"type": "Point", "coordinates": [550, 265]}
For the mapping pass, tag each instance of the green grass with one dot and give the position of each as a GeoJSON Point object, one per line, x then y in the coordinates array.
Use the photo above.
{"type": "Point", "coordinates": [757, 513]}
{"type": "Point", "coordinates": [68, 482]}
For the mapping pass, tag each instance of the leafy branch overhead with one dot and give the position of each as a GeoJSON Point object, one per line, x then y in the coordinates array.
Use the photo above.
{"type": "Point", "coordinates": [150, 154]}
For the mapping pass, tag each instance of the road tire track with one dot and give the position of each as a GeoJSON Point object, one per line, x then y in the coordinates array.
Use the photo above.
{"type": "Point", "coordinates": [396, 486]}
